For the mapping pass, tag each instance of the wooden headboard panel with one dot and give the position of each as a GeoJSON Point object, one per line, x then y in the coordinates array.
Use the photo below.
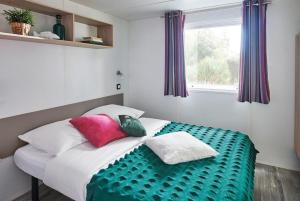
{"type": "Point", "coordinates": [12, 127]}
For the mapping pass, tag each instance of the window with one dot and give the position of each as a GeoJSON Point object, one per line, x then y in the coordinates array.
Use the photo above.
{"type": "Point", "coordinates": [212, 57]}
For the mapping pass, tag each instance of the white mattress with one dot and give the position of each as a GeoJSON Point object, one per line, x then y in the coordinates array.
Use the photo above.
{"type": "Point", "coordinates": [32, 161]}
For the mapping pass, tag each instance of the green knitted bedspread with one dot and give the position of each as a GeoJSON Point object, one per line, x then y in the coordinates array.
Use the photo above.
{"type": "Point", "coordinates": [141, 175]}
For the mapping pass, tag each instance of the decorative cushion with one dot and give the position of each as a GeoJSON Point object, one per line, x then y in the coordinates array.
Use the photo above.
{"type": "Point", "coordinates": [179, 147]}
{"type": "Point", "coordinates": [54, 138]}
{"type": "Point", "coordinates": [98, 129]}
{"type": "Point", "coordinates": [115, 110]}
{"type": "Point", "coordinates": [132, 126]}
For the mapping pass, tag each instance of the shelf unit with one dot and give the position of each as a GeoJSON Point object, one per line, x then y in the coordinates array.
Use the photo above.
{"type": "Point", "coordinates": [104, 30]}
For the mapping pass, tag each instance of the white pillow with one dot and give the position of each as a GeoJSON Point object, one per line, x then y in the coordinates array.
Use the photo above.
{"type": "Point", "coordinates": [179, 147]}
{"type": "Point", "coordinates": [54, 138]}
{"type": "Point", "coordinates": [115, 110]}
{"type": "Point", "coordinates": [153, 126]}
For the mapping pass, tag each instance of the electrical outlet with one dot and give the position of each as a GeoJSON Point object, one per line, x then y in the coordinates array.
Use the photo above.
{"type": "Point", "coordinates": [118, 86]}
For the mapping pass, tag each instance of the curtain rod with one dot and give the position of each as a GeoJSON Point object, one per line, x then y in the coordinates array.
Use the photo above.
{"type": "Point", "coordinates": [229, 5]}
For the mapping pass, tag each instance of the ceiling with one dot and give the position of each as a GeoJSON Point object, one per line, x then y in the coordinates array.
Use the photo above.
{"type": "Point", "coordinates": [140, 9]}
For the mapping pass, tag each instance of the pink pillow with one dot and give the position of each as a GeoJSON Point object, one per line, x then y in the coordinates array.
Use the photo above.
{"type": "Point", "coordinates": [98, 129]}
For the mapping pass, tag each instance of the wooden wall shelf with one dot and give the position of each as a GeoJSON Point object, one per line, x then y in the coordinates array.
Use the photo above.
{"type": "Point", "coordinates": [104, 30]}
{"type": "Point", "coordinates": [9, 36]}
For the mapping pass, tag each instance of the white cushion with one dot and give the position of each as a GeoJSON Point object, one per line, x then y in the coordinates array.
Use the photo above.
{"type": "Point", "coordinates": [153, 126]}
{"type": "Point", "coordinates": [179, 147]}
{"type": "Point", "coordinates": [115, 110]}
{"type": "Point", "coordinates": [54, 138]}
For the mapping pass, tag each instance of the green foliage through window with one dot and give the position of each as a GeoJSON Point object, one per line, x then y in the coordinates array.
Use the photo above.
{"type": "Point", "coordinates": [212, 57]}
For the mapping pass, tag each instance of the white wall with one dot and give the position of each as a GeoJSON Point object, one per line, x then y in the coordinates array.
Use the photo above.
{"type": "Point", "coordinates": [39, 76]}
{"type": "Point", "coordinates": [269, 126]}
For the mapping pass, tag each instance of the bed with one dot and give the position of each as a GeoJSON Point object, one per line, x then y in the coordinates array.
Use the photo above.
{"type": "Point", "coordinates": [134, 172]}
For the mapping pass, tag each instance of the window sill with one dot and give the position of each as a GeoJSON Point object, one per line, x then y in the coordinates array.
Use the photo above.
{"type": "Point", "coordinates": [217, 91]}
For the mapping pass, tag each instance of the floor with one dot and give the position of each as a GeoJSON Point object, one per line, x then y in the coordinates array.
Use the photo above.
{"type": "Point", "coordinates": [271, 184]}
{"type": "Point", "coordinates": [276, 184]}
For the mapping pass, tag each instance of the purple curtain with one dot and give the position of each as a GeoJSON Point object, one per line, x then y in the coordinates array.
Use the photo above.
{"type": "Point", "coordinates": [254, 85]}
{"type": "Point", "coordinates": [175, 80]}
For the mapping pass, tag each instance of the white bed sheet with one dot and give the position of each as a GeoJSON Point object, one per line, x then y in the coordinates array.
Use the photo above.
{"type": "Point", "coordinates": [32, 161]}
{"type": "Point", "coordinates": [70, 172]}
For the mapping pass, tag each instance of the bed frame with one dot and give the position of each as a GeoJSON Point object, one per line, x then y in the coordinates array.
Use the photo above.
{"type": "Point", "coordinates": [12, 127]}
{"type": "Point", "coordinates": [34, 189]}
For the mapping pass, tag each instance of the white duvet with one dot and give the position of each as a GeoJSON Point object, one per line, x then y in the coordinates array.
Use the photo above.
{"type": "Point", "coordinates": [70, 172]}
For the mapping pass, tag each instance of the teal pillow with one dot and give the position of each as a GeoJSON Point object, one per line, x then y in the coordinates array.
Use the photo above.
{"type": "Point", "coordinates": [132, 126]}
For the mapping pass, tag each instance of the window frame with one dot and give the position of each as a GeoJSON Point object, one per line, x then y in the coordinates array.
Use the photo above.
{"type": "Point", "coordinates": [212, 24]}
